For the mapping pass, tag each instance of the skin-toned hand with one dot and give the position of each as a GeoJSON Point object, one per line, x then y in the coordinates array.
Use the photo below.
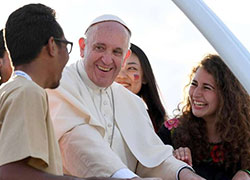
{"type": "Point", "coordinates": [240, 175]}
{"type": "Point", "coordinates": [184, 154]}
{"type": "Point", "coordinates": [187, 174]}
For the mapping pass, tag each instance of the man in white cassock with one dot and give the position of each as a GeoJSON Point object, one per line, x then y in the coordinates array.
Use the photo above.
{"type": "Point", "coordinates": [102, 128]}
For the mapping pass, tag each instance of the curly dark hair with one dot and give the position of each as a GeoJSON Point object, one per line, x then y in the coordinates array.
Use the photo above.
{"type": "Point", "coordinates": [233, 122]}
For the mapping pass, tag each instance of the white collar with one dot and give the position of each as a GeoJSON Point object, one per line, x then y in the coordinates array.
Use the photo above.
{"type": "Point", "coordinates": [23, 74]}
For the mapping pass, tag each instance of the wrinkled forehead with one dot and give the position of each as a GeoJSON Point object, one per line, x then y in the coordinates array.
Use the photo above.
{"type": "Point", "coordinates": [111, 33]}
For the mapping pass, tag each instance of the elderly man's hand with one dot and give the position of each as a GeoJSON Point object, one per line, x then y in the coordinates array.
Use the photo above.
{"type": "Point", "coordinates": [187, 174]}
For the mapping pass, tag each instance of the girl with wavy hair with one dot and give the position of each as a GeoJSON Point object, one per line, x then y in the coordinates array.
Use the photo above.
{"type": "Point", "coordinates": [213, 126]}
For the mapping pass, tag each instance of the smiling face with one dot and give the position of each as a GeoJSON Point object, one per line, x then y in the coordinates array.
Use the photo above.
{"type": "Point", "coordinates": [56, 66]}
{"type": "Point", "coordinates": [131, 74]}
{"type": "Point", "coordinates": [106, 46]}
{"type": "Point", "coordinates": [203, 95]}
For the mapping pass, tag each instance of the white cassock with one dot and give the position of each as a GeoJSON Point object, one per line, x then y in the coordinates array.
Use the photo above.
{"type": "Point", "coordinates": [93, 143]}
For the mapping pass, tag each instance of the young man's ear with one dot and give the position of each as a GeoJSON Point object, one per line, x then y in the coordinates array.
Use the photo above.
{"type": "Point", "coordinates": [52, 46]}
{"type": "Point", "coordinates": [126, 57]}
{"type": "Point", "coordinates": [82, 46]}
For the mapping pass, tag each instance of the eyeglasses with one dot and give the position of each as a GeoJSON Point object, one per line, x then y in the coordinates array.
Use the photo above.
{"type": "Point", "coordinates": [69, 44]}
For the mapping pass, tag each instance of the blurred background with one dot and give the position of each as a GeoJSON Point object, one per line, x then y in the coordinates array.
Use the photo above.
{"type": "Point", "coordinates": [171, 42]}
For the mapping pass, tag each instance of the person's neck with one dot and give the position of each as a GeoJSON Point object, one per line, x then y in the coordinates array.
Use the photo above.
{"type": "Point", "coordinates": [35, 71]}
{"type": "Point", "coordinates": [213, 136]}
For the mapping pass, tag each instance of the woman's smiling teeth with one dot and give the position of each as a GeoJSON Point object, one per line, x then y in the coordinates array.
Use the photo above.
{"type": "Point", "coordinates": [104, 69]}
{"type": "Point", "coordinates": [199, 103]}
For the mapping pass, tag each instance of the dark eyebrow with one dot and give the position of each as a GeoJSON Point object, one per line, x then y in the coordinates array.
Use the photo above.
{"type": "Point", "coordinates": [131, 63]}
{"type": "Point", "coordinates": [118, 50]}
{"type": "Point", "coordinates": [99, 44]}
{"type": "Point", "coordinates": [206, 84]}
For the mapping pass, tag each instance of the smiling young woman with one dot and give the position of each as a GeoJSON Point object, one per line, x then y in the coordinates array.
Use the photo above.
{"type": "Point", "coordinates": [213, 123]}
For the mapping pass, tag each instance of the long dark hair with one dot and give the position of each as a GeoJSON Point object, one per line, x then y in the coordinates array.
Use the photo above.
{"type": "Point", "coordinates": [149, 91]}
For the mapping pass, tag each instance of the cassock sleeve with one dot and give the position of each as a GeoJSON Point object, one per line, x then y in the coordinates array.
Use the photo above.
{"type": "Point", "coordinates": [85, 153]}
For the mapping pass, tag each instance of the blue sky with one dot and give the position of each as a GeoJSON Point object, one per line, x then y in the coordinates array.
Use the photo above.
{"type": "Point", "coordinates": [171, 42]}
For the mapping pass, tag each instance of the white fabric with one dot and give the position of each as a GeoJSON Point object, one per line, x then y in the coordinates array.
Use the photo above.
{"type": "Point", "coordinates": [124, 173]}
{"type": "Point", "coordinates": [108, 17]}
{"type": "Point", "coordinates": [78, 118]}
{"type": "Point", "coordinates": [23, 74]}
